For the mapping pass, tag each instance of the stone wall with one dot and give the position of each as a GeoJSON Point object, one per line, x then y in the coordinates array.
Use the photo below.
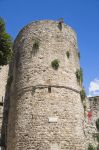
{"type": "Point", "coordinates": [3, 81]}
{"type": "Point", "coordinates": [90, 124]}
{"type": "Point", "coordinates": [45, 111]}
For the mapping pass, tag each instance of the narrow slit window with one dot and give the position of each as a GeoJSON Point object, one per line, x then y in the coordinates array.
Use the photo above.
{"type": "Point", "coordinates": [49, 89]}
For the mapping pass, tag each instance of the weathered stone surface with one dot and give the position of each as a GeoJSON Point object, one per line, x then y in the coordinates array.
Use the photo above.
{"type": "Point", "coordinates": [3, 81]}
{"type": "Point", "coordinates": [90, 125]}
{"type": "Point", "coordinates": [42, 108]}
{"type": "Point", "coordinates": [31, 103]}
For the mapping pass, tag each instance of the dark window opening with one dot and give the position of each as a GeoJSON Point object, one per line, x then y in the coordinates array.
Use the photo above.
{"type": "Point", "coordinates": [49, 89]}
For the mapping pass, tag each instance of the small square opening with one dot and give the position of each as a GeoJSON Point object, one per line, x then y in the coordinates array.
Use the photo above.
{"type": "Point", "coordinates": [49, 89]}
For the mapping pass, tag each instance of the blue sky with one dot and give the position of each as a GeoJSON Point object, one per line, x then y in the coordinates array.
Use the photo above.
{"type": "Point", "coordinates": [82, 15]}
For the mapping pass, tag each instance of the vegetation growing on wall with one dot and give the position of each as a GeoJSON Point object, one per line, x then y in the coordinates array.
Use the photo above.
{"type": "Point", "coordinates": [61, 21]}
{"type": "Point", "coordinates": [60, 26]}
{"type": "Point", "coordinates": [68, 54]}
{"type": "Point", "coordinates": [82, 94]}
{"type": "Point", "coordinates": [84, 105]}
{"type": "Point", "coordinates": [97, 124]}
{"type": "Point", "coordinates": [83, 98]}
{"type": "Point", "coordinates": [91, 147]}
{"type": "Point", "coordinates": [98, 147]}
{"type": "Point", "coordinates": [35, 47]}
{"type": "Point", "coordinates": [55, 64]}
{"type": "Point", "coordinates": [5, 45]}
{"type": "Point", "coordinates": [97, 136]}
{"type": "Point", "coordinates": [79, 76]}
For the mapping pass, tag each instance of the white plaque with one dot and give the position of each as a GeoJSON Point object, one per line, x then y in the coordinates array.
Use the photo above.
{"type": "Point", "coordinates": [52, 119]}
{"type": "Point", "coordinates": [55, 146]}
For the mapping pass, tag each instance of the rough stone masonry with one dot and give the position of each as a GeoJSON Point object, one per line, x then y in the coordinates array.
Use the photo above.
{"type": "Point", "coordinates": [43, 108]}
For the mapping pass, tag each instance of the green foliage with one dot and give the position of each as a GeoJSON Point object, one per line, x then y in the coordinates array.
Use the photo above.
{"type": "Point", "coordinates": [97, 124]}
{"type": "Point", "coordinates": [91, 147]}
{"type": "Point", "coordinates": [84, 105]}
{"type": "Point", "coordinates": [2, 25]}
{"type": "Point", "coordinates": [79, 75]}
{"type": "Point", "coordinates": [9, 81]}
{"type": "Point", "coordinates": [36, 45]}
{"type": "Point", "coordinates": [98, 147]}
{"type": "Point", "coordinates": [61, 21]}
{"type": "Point", "coordinates": [82, 94]}
{"type": "Point", "coordinates": [97, 137]}
{"type": "Point", "coordinates": [68, 54]}
{"type": "Point", "coordinates": [5, 45]}
{"type": "Point", "coordinates": [55, 64]}
{"type": "Point", "coordinates": [60, 26]}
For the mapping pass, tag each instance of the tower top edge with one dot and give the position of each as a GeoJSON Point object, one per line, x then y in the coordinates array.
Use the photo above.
{"type": "Point", "coordinates": [47, 22]}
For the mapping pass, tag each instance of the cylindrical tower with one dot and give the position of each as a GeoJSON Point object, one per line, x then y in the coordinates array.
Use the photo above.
{"type": "Point", "coordinates": [45, 111]}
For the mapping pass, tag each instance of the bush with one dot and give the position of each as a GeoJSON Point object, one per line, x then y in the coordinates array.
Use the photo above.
{"type": "Point", "coordinates": [68, 54]}
{"type": "Point", "coordinates": [55, 64]}
{"type": "Point", "coordinates": [79, 75]}
{"type": "Point", "coordinates": [97, 124]}
{"type": "Point", "coordinates": [82, 94]}
{"type": "Point", "coordinates": [91, 147]}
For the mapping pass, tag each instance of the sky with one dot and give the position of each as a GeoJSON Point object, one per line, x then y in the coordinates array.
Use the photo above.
{"type": "Point", "coordinates": [81, 15]}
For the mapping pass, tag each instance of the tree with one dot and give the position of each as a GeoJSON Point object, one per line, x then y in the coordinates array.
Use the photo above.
{"type": "Point", "coordinates": [5, 45]}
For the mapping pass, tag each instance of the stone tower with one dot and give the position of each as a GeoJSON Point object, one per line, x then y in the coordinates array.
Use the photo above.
{"type": "Point", "coordinates": [45, 110]}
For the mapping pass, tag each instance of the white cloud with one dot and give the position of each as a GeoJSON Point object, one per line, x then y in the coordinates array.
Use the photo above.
{"type": "Point", "coordinates": [94, 88]}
